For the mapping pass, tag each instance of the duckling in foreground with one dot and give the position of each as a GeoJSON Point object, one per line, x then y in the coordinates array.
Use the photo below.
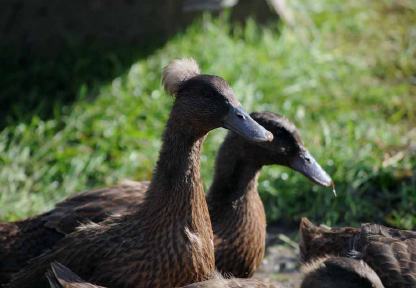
{"type": "Point", "coordinates": [390, 252]}
{"type": "Point", "coordinates": [167, 241]}
{"type": "Point", "coordinates": [236, 210]}
{"type": "Point", "coordinates": [339, 272]}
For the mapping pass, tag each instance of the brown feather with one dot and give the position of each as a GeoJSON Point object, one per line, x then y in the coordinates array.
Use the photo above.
{"type": "Point", "coordinates": [317, 242]}
{"type": "Point", "coordinates": [390, 252]}
{"type": "Point", "coordinates": [23, 240]}
{"type": "Point", "coordinates": [61, 277]}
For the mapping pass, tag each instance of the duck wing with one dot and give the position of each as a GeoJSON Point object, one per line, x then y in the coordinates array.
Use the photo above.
{"type": "Point", "coordinates": [369, 229]}
{"type": "Point", "coordinates": [391, 253]}
{"type": "Point", "coordinates": [21, 241]}
{"type": "Point", "coordinates": [95, 205]}
{"type": "Point", "coordinates": [24, 240]}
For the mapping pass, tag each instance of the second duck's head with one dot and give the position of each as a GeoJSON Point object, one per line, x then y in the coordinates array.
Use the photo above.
{"type": "Point", "coordinates": [208, 102]}
{"type": "Point", "coordinates": [286, 149]}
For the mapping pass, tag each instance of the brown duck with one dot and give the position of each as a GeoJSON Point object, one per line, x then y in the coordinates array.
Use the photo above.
{"type": "Point", "coordinates": [61, 277]}
{"type": "Point", "coordinates": [236, 211]}
{"type": "Point", "coordinates": [167, 241]}
{"type": "Point", "coordinates": [339, 272]}
{"type": "Point", "coordinates": [390, 252]}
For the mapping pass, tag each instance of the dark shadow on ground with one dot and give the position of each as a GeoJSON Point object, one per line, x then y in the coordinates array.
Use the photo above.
{"type": "Point", "coordinates": [53, 54]}
{"type": "Point", "coordinates": [38, 84]}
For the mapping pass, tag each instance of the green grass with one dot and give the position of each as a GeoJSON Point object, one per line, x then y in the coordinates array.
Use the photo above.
{"type": "Point", "coordinates": [345, 74]}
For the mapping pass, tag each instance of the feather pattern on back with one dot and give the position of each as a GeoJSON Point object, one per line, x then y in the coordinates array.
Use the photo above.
{"type": "Point", "coordinates": [390, 252]}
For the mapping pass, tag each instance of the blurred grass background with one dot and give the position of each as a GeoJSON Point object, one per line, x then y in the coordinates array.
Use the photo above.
{"type": "Point", "coordinates": [345, 74]}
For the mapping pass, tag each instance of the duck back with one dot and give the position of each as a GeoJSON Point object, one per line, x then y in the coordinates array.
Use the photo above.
{"type": "Point", "coordinates": [390, 252]}
{"type": "Point", "coordinates": [23, 240]}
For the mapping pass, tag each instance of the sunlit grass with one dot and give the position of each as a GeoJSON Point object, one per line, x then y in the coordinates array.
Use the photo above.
{"type": "Point", "coordinates": [345, 74]}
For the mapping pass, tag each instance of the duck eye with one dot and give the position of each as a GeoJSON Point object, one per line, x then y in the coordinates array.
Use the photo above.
{"type": "Point", "coordinates": [207, 95]}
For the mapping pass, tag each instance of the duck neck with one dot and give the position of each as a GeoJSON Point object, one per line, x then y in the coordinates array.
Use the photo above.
{"type": "Point", "coordinates": [236, 211]}
{"type": "Point", "coordinates": [235, 178]}
{"type": "Point", "coordinates": [176, 188]}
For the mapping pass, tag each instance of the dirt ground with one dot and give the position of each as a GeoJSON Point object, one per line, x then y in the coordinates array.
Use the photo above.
{"type": "Point", "coordinates": [281, 262]}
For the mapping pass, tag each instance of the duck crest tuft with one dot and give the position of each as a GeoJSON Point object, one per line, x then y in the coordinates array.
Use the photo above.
{"type": "Point", "coordinates": [177, 72]}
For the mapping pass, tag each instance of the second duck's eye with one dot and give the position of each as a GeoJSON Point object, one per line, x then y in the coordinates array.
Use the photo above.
{"type": "Point", "coordinates": [207, 95]}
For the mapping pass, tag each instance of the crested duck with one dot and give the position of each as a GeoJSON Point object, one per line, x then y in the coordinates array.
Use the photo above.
{"type": "Point", "coordinates": [236, 210]}
{"type": "Point", "coordinates": [167, 241]}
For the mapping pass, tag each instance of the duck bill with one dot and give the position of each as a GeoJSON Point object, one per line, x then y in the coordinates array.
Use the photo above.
{"type": "Point", "coordinates": [308, 166]}
{"type": "Point", "coordinates": [240, 122]}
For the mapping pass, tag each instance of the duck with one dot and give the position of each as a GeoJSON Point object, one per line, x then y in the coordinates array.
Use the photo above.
{"type": "Point", "coordinates": [236, 210]}
{"type": "Point", "coordinates": [167, 241]}
{"type": "Point", "coordinates": [390, 252]}
{"type": "Point", "coordinates": [235, 207]}
{"type": "Point", "coordinates": [340, 272]}
{"type": "Point", "coordinates": [60, 276]}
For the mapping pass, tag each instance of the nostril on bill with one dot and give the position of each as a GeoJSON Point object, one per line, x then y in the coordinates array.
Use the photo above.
{"type": "Point", "coordinates": [241, 116]}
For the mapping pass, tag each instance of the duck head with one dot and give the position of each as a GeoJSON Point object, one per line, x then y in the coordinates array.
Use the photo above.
{"type": "Point", "coordinates": [286, 149]}
{"type": "Point", "coordinates": [207, 102]}
{"type": "Point", "coordinates": [339, 272]}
